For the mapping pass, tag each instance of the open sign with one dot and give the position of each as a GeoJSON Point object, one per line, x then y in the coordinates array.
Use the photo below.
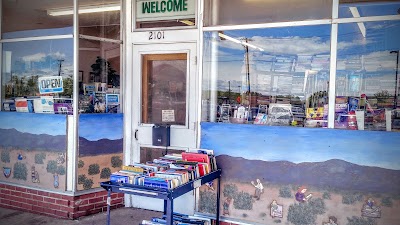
{"type": "Point", "coordinates": [53, 84]}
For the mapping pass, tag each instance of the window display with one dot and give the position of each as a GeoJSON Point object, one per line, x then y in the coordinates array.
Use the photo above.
{"type": "Point", "coordinates": [276, 76]}
{"type": "Point", "coordinates": [99, 57]}
{"type": "Point", "coordinates": [367, 76]}
{"type": "Point", "coordinates": [37, 76]}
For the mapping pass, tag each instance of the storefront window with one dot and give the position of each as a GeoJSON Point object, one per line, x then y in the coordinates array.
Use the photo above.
{"type": "Point", "coordinates": [37, 76]}
{"type": "Point", "coordinates": [364, 8]}
{"type": "Point", "coordinates": [273, 76]}
{"type": "Point", "coordinates": [235, 12]}
{"type": "Point", "coordinates": [100, 19]}
{"type": "Point", "coordinates": [33, 18]}
{"type": "Point", "coordinates": [367, 86]}
{"type": "Point", "coordinates": [99, 57]}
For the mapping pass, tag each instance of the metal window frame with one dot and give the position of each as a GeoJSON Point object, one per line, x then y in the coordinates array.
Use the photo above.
{"type": "Point", "coordinates": [72, 132]}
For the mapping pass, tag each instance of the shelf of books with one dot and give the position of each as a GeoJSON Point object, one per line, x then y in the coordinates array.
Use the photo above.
{"type": "Point", "coordinates": [167, 178]}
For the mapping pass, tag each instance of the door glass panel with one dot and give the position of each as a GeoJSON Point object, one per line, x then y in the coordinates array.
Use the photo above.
{"type": "Point", "coordinates": [164, 88]}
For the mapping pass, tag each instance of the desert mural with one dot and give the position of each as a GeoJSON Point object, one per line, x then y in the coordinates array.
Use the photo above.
{"type": "Point", "coordinates": [304, 176]}
{"type": "Point", "coordinates": [100, 148]}
{"type": "Point", "coordinates": [33, 150]}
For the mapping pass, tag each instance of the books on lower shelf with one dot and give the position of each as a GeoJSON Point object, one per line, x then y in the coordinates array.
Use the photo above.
{"type": "Point", "coordinates": [178, 219]}
{"type": "Point", "coordinates": [169, 171]}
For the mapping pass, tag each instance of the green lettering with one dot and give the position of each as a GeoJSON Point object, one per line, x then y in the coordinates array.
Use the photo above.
{"type": "Point", "coordinates": [157, 9]}
{"type": "Point", "coordinates": [178, 5]}
{"type": "Point", "coordinates": [145, 7]}
{"type": "Point", "coordinates": [169, 5]}
{"type": "Point", "coordinates": [185, 5]}
{"type": "Point", "coordinates": [163, 6]}
{"type": "Point", "coordinates": [153, 5]}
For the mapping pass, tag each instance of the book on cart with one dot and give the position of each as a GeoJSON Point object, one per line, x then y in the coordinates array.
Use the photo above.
{"type": "Point", "coordinates": [169, 171]}
{"type": "Point", "coordinates": [210, 153]}
{"type": "Point", "coordinates": [202, 159]}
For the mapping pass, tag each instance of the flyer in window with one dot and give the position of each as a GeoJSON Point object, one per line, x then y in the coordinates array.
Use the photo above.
{"type": "Point", "coordinates": [21, 105]}
{"type": "Point", "coordinates": [112, 103]}
{"type": "Point", "coordinates": [44, 104]}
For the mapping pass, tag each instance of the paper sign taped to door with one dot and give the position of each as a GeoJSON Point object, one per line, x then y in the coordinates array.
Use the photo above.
{"type": "Point", "coordinates": [168, 115]}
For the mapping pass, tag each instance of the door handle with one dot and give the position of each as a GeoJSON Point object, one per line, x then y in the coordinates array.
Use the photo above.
{"type": "Point", "coordinates": [136, 131]}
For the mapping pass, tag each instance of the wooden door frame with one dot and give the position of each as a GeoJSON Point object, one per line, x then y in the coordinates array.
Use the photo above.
{"type": "Point", "coordinates": [146, 71]}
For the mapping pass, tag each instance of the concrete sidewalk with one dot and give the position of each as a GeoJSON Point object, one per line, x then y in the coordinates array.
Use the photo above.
{"type": "Point", "coordinates": [120, 216]}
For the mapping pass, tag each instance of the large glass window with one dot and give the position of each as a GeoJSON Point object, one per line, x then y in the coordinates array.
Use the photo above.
{"type": "Point", "coordinates": [367, 86]}
{"type": "Point", "coordinates": [276, 76]}
{"type": "Point", "coordinates": [99, 56]}
{"type": "Point", "coordinates": [37, 73]}
{"type": "Point", "coordinates": [32, 18]}
{"type": "Point", "coordinates": [31, 69]}
{"type": "Point", "coordinates": [234, 12]}
{"type": "Point", "coordinates": [364, 8]}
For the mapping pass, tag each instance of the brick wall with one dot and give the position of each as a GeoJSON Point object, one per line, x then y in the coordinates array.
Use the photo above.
{"type": "Point", "coordinates": [57, 205]}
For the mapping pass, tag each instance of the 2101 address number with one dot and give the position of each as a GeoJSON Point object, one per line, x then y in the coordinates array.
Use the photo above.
{"type": "Point", "coordinates": [156, 35]}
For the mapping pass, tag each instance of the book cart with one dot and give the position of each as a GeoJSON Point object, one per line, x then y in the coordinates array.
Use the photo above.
{"type": "Point", "coordinates": [167, 195]}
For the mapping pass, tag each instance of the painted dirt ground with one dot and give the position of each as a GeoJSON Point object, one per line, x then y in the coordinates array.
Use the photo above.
{"type": "Point", "coordinates": [260, 212]}
{"type": "Point", "coordinates": [47, 166]}
{"type": "Point", "coordinates": [87, 166]}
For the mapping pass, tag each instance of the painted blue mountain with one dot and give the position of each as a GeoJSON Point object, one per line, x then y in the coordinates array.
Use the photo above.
{"type": "Point", "coordinates": [12, 138]}
{"type": "Point", "coordinates": [99, 147]}
{"type": "Point", "coordinates": [331, 175]}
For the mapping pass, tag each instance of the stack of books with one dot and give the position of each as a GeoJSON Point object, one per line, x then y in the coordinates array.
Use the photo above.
{"type": "Point", "coordinates": [169, 171]}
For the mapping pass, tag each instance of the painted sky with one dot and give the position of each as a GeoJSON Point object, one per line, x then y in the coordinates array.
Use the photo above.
{"type": "Point", "coordinates": [51, 124]}
{"type": "Point", "coordinates": [294, 144]}
{"type": "Point", "coordinates": [91, 126]}
{"type": "Point", "coordinates": [101, 126]}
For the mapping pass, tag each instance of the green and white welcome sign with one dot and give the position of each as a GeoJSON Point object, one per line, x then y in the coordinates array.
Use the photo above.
{"type": "Point", "coordinates": [152, 10]}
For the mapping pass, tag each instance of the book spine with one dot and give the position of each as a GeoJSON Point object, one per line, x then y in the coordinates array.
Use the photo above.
{"type": "Point", "coordinates": [134, 169]}
{"type": "Point", "coordinates": [119, 178]}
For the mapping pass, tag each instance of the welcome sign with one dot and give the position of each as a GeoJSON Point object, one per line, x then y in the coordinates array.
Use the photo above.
{"type": "Point", "coordinates": [153, 10]}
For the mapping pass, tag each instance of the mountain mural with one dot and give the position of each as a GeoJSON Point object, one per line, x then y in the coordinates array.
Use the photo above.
{"type": "Point", "coordinates": [99, 147]}
{"type": "Point", "coordinates": [332, 174]}
{"type": "Point", "coordinates": [12, 138]}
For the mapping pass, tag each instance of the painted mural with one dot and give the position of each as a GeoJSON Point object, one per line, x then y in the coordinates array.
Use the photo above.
{"type": "Point", "coordinates": [33, 149]}
{"type": "Point", "coordinates": [304, 176]}
{"type": "Point", "coordinates": [100, 148]}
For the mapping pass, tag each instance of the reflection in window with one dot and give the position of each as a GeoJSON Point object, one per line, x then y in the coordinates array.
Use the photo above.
{"type": "Point", "coordinates": [30, 76]}
{"type": "Point", "coordinates": [267, 76]}
{"type": "Point", "coordinates": [105, 22]}
{"type": "Point", "coordinates": [99, 56]}
{"type": "Point", "coordinates": [34, 18]}
{"type": "Point", "coordinates": [354, 8]}
{"type": "Point", "coordinates": [367, 76]}
{"type": "Point", "coordinates": [234, 12]}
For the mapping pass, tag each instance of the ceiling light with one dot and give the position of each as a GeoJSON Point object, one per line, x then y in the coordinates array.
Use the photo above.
{"type": "Point", "coordinates": [84, 9]}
